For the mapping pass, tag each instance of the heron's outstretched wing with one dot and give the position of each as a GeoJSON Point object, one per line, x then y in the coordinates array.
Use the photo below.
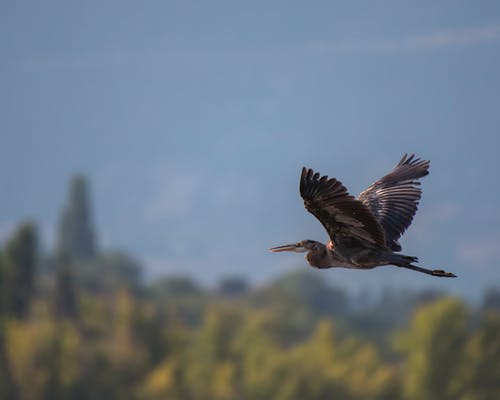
{"type": "Point", "coordinates": [347, 220]}
{"type": "Point", "coordinates": [393, 199]}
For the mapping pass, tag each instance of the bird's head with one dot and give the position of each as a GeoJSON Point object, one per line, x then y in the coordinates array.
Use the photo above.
{"type": "Point", "coordinates": [299, 247]}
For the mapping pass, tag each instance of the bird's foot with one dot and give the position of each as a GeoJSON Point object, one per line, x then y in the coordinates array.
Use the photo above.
{"type": "Point", "coordinates": [440, 272]}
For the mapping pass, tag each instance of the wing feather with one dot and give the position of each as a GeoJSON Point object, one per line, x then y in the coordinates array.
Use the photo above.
{"type": "Point", "coordinates": [345, 218]}
{"type": "Point", "coordinates": [393, 199]}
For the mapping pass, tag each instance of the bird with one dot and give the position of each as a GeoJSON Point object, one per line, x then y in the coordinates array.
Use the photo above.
{"type": "Point", "coordinates": [364, 232]}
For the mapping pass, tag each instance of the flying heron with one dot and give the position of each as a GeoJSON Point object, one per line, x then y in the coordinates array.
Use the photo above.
{"type": "Point", "coordinates": [363, 232]}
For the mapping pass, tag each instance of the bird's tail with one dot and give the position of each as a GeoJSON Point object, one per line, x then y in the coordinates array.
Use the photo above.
{"type": "Point", "coordinates": [403, 261]}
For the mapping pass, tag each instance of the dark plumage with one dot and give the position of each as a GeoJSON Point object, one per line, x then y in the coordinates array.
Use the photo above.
{"type": "Point", "coordinates": [363, 232]}
{"type": "Point", "coordinates": [393, 199]}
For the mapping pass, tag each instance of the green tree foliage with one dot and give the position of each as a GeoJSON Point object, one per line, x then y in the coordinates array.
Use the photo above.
{"type": "Point", "coordinates": [176, 286]}
{"type": "Point", "coordinates": [65, 298]}
{"type": "Point", "coordinates": [232, 286]}
{"type": "Point", "coordinates": [235, 357]}
{"type": "Point", "coordinates": [76, 234]}
{"type": "Point", "coordinates": [433, 347]}
{"type": "Point", "coordinates": [180, 296]}
{"type": "Point", "coordinates": [212, 357]}
{"type": "Point", "coordinates": [108, 272]}
{"type": "Point", "coordinates": [312, 290]}
{"type": "Point", "coordinates": [479, 375]}
{"type": "Point", "coordinates": [260, 354]}
{"type": "Point", "coordinates": [45, 358]}
{"type": "Point", "coordinates": [326, 367]}
{"type": "Point", "coordinates": [378, 319]}
{"type": "Point", "coordinates": [18, 271]}
{"type": "Point", "coordinates": [96, 331]}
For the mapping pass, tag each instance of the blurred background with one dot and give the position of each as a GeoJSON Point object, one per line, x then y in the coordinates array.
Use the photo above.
{"type": "Point", "coordinates": [150, 154]}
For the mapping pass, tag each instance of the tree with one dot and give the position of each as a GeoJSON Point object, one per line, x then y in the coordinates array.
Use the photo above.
{"type": "Point", "coordinates": [212, 356]}
{"type": "Point", "coordinates": [18, 271]}
{"type": "Point", "coordinates": [434, 345]}
{"type": "Point", "coordinates": [260, 356]}
{"type": "Point", "coordinates": [491, 299]}
{"type": "Point", "coordinates": [175, 286]}
{"type": "Point", "coordinates": [232, 286]}
{"type": "Point", "coordinates": [181, 296]}
{"type": "Point", "coordinates": [76, 234]}
{"type": "Point", "coordinates": [326, 367]}
{"type": "Point", "coordinates": [108, 272]}
{"type": "Point", "coordinates": [479, 374]}
{"type": "Point", "coordinates": [45, 358]}
{"type": "Point", "coordinates": [312, 290]}
{"type": "Point", "coordinates": [65, 301]}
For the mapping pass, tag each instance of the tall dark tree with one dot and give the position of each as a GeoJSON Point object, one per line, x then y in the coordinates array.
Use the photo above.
{"type": "Point", "coordinates": [18, 271]}
{"type": "Point", "coordinates": [76, 234]}
{"type": "Point", "coordinates": [65, 301]}
{"type": "Point", "coordinates": [2, 286]}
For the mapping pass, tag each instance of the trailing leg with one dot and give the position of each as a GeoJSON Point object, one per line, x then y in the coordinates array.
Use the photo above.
{"type": "Point", "coordinates": [434, 272]}
{"type": "Point", "coordinates": [406, 262]}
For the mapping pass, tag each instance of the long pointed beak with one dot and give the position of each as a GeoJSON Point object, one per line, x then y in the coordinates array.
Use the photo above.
{"type": "Point", "coordinates": [287, 247]}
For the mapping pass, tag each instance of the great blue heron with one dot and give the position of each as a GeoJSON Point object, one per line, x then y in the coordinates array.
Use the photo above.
{"type": "Point", "coordinates": [363, 232]}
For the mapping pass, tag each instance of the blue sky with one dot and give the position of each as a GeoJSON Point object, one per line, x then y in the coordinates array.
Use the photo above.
{"type": "Point", "coordinates": [193, 119]}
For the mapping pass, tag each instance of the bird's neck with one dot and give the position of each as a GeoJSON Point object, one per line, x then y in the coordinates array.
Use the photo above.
{"type": "Point", "coordinates": [320, 259]}
{"type": "Point", "coordinates": [326, 258]}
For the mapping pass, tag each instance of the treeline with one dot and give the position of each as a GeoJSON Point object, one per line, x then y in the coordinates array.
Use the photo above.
{"type": "Point", "coordinates": [79, 323]}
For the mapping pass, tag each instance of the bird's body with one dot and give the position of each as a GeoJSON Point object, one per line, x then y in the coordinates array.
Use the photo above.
{"type": "Point", "coordinates": [363, 232]}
